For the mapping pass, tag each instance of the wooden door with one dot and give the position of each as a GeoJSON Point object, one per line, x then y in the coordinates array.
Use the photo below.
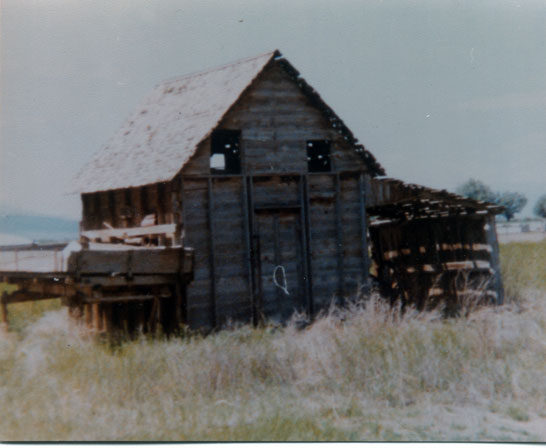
{"type": "Point", "coordinates": [279, 269]}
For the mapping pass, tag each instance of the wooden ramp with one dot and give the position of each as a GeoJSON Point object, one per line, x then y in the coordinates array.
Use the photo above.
{"type": "Point", "coordinates": [111, 288]}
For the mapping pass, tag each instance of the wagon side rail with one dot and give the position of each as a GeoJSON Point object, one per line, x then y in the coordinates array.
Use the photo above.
{"type": "Point", "coordinates": [77, 278]}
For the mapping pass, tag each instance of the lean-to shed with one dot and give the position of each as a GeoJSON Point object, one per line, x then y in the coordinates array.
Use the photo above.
{"type": "Point", "coordinates": [246, 164]}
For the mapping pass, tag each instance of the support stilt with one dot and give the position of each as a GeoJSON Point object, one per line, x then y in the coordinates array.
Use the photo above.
{"type": "Point", "coordinates": [4, 323]}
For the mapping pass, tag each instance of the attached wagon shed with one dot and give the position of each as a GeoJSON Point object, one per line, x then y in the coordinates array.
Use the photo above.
{"type": "Point", "coordinates": [431, 246]}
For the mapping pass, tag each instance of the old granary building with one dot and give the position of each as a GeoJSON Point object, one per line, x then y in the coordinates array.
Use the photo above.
{"type": "Point", "coordinates": [282, 207]}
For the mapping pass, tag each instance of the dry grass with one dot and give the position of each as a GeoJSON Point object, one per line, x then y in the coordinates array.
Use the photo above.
{"type": "Point", "coordinates": [523, 266]}
{"type": "Point", "coordinates": [366, 373]}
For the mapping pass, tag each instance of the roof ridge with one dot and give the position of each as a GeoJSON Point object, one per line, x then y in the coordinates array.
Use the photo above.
{"type": "Point", "coordinates": [274, 53]}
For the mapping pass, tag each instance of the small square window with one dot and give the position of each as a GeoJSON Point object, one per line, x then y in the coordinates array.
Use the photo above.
{"type": "Point", "coordinates": [318, 156]}
{"type": "Point", "coordinates": [225, 155]}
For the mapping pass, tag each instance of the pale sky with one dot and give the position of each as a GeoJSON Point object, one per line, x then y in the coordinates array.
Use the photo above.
{"type": "Point", "coordinates": [439, 91]}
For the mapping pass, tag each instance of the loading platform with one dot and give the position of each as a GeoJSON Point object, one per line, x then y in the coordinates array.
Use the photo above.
{"type": "Point", "coordinates": [111, 287]}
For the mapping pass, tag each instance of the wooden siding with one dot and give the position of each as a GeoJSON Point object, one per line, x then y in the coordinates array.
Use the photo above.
{"type": "Point", "coordinates": [306, 230]}
{"type": "Point", "coordinates": [213, 214]}
{"type": "Point", "coordinates": [276, 120]}
{"type": "Point", "coordinates": [429, 261]}
{"type": "Point", "coordinates": [127, 207]}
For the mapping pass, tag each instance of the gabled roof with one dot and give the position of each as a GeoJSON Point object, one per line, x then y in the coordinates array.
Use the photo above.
{"type": "Point", "coordinates": [165, 130]}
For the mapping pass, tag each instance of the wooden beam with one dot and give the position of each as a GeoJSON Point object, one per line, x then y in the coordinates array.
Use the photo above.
{"type": "Point", "coordinates": [160, 194]}
{"type": "Point", "coordinates": [277, 260]}
{"type": "Point", "coordinates": [309, 242]}
{"type": "Point", "coordinates": [339, 242]}
{"type": "Point", "coordinates": [112, 208]}
{"type": "Point", "coordinates": [255, 261]}
{"type": "Point", "coordinates": [108, 315]}
{"type": "Point", "coordinates": [4, 306]}
{"type": "Point", "coordinates": [115, 299]}
{"type": "Point", "coordinates": [363, 232]}
{"type": "Point", "coordinates": [27, 296]}
{"type": "Point", "coordinates": [88, 315]}
{"type": "Point", "coordinates": [248, 247]}
{"type": "Point", "coordinates": [154, 314]}
{"type": "Point", "coordinates": [136, 207]}
{"type": "Point", "coordinates": [211, 252]}
{"type": "Point", "coordinates": [305, 245]}
{"type": "Point", "coordinates": [145, 261]}
{"type": "Point", "coordinates": [178, 304]}
{"type": "Point", "coordinates": [97, 321]}
{"type": "Point", "coordinates": [491, 239]}
{"type": "Point", "coordinates": [121, 233]}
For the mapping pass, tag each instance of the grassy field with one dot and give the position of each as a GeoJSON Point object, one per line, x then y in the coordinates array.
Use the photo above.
{"type": "Point", "coordinates": [367, 373]}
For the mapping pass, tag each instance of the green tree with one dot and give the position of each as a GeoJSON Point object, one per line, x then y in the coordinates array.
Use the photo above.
{"type": "Point", "coordinates": [540, 207]}
{"type": "Point", "coordinates": [512, 202]}
{"type": "Point", "coordinates": [475, 189]}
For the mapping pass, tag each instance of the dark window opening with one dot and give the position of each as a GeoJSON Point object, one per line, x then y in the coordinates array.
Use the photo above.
{"type": "Point", "coordinates": [225, 154]}
{"type": "Point", "coordinates": [318, 156]}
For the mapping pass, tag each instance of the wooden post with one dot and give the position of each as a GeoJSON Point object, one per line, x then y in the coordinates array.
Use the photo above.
{"type": "Point", "coordinates": [212, 252]}
{"type": "Point", "coordinates": [95, 315]}
{"type": "Point", "coordinates": [112, 208]}
{"type": "Point", "coordinates": [75, 308]}
{"type": "Point", "coordinates": [254, 262]}
{"type": "Point", "coordinates": [182, 214]}
{"type": "Point", "coordinates": [153, 314]}
{"type": "Point", "coordinates": [102, 317]}
{"type": "Point", "coordinates": [339, 239]}
{"type": "Point", "coordinates": [491, 239]}
{"type": "Point", "coordinates": [302, 186]}
{"type": "Point", "coordinates": [363, 233]}
{"type": "Point", "coordinates": [96, 215]}
{"type": "Point", "coordinates": [248, 247]}
{"type": "Point", "coordinates": [277, 257]}
{"type": "Point", "coordinates": [4, 324]}
{"type": "Point", "coordinates": [306, 210]}
{"type": "Point", "coordinates": [178, 303]}
{"type": "Point", "coordinates": [88, 316]}
{"type": "Point", "coordinates": [97, 324]}
{"type": "Point", "coordinates": [107, 309]}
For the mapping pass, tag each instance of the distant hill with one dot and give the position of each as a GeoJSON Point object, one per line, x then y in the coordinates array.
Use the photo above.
{"type": "Point", "coordinates": [38, 228]}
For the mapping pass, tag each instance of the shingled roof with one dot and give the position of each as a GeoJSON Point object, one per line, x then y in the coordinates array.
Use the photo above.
{"type": "Point", "coordinates": [165, 130]}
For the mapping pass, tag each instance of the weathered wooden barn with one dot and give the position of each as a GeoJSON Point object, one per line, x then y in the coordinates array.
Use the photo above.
{"type": "Point", "coordinates": [247, 165]}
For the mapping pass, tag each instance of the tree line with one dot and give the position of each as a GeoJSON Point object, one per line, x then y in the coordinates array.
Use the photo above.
{"type": "Point", "coordinates": [513, 202]}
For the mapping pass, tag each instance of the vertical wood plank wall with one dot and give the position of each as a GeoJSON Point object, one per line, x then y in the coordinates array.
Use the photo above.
{"type": "Point", "coordinates": [416, 256]}
{"type": "Point", "coordinates": [221, 286]}
{"type": "Point", "coordinates": [214, 214]}
{"type": "Point", "coordinates": [112, 206]}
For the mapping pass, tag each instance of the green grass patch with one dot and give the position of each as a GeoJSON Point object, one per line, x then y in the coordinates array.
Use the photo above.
{"type": "Point", "coordinates": [523, 266]}
{"type": "Point", "coordinates": [25, 313]}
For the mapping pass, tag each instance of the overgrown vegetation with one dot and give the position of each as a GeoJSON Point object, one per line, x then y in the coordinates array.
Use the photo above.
{"type": "Point", "coordinates": [367, 373]}
{"type": "Point", "coordinates": [523, 267]}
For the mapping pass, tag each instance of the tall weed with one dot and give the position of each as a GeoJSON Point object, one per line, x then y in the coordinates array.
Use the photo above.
{"type": "Point", "coordinates": [367, 372]}
{"type": "Point", "coordinates": [339, 379]}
